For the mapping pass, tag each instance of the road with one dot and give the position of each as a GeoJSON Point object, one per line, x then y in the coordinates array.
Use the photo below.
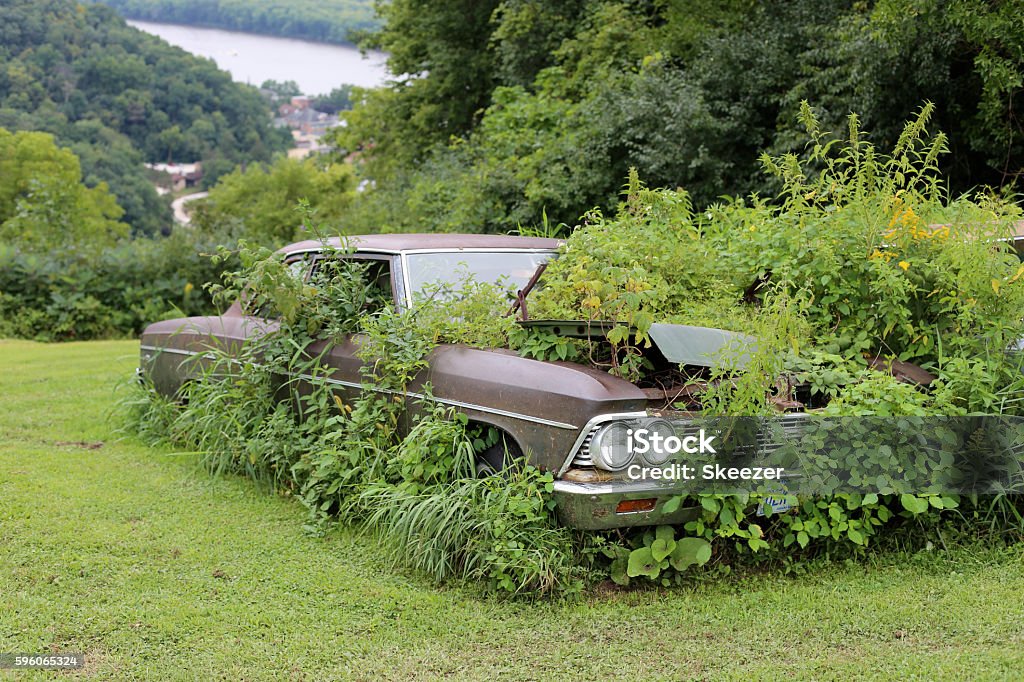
{"type": "Point", "coordinates": [180, 214]}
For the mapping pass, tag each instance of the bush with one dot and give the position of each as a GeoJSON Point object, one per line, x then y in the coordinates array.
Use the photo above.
{"type": "Point", "coordinates": [49, 297]}
{"type": "Point", "coordinates": [259, 201]}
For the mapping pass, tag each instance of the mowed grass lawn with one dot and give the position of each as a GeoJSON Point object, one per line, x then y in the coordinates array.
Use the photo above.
{"type": "Point", "coordinates": [155, 570]}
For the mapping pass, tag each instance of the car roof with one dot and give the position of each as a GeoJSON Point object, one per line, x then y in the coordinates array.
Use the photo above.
{"type": "Point", "coordinates": [397, 243]}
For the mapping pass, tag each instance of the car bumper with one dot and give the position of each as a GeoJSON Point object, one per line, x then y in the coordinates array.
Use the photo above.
{"type": "Point", "coordinates": [597, 506]}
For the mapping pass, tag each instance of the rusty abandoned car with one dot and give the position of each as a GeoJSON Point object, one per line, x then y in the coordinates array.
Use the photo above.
{"type": "Point", "coordinates": [570, 419]}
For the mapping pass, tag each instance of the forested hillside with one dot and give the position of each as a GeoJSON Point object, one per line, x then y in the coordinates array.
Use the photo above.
{"type": "Point", "coordinates": [333, 21]}
{"type": "Point", "coordinates": [117, 97]}
{"type": "Point", "coordinates": [504, 111]}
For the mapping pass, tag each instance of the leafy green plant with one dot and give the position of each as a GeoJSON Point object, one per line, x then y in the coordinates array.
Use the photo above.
{"type": "Point", "coordinates": [61, 296]}
{"type": "Point", "coordinates": [660, 556]}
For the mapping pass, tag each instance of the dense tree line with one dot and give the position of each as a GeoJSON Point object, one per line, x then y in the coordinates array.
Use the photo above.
{"type": "Point", "coordinates": [336, 100]}
{"type": "Point", "coordinates": [117, 97]}
{"type": "Point", "coordinates": [332, 21]}
{"type": "Point", "coordinates": [508, 112]}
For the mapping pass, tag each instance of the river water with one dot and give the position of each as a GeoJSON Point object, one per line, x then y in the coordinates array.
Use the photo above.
{"type": "Point", "coordinates": [318, 68]}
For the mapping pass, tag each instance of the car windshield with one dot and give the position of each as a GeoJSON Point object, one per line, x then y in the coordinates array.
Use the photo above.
{"type": "Point", "coordinates": [431, 273]}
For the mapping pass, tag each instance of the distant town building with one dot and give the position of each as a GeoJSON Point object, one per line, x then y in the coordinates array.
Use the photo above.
{"type": "Point", "coordinates": [307, 125]}
{"type": "Point", "coordinates": [306, 144]}
{"type": "Point", "coordinates": [182, 174]}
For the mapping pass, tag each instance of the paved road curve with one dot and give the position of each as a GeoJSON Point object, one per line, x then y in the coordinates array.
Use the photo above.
{"type": "Point", "coordinates": [180, 214]}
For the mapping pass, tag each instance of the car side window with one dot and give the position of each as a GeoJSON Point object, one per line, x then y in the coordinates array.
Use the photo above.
{"type": "Point", "coordinates": [359, 285]}
{"type": "Point", "coordinates": [297, 267]}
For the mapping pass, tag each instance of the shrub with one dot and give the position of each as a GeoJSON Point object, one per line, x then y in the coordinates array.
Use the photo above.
{"type": "Point", "coordinates": [54, 297]}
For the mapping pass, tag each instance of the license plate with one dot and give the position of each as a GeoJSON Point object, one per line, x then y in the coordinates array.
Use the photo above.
{"type": "Point", "coordinates": [777, 502]}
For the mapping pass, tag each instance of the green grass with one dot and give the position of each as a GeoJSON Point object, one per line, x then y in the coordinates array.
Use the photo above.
{"type": "Point", "coordinates": [158, 571]}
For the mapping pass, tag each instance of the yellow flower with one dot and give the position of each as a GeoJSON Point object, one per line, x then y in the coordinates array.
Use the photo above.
{"type": "Point", "coordinates": [188, 288]}
{"type": "Point", "coordinates": [904, 264]}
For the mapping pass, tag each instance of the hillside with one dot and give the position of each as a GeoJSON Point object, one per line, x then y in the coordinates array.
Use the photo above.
{"type": "Point", "coordinates": [118, 96]}
{"type": "Point", "coordinates": [329, 21]}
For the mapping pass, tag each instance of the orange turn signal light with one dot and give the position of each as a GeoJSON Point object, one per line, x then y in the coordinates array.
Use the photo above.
{"type": "Point", "coordinates": [632, 506]}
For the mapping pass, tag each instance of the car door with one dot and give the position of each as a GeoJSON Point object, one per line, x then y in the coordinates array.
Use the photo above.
{"type": "Point", "coordinates": [340, 359]}
{"type": "Point", "coordinates": [175, 352]}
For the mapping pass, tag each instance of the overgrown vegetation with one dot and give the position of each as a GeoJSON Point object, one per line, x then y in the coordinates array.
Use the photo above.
{"type": "Point", "coordinates": [861, 257]}
{"type": "Point", "coordinates": [504, 110]}
{"type": "Point", "coordinates": [866, 247]}
{"type": "Point", "coordinates": [418, 491]}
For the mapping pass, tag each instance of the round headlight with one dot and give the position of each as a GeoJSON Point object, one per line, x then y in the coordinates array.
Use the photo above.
{"type": "Point", "coordinates": [609, 449]}
{"type": "Point", "coordinates": [664, 430]}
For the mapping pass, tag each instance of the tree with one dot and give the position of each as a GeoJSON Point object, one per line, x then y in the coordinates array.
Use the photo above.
{"type": "Point", "coordinates": [336, 100]}
{"type": "Point", "coordinates": [259, 203]}
{"type": "Point", "coordinates": [280, 92]}
{"type": "Point", "coordinates": [44, 207]}
{"type": "Point", "coordinates": [438, 52]}
{"type": "Point", "coordinates": [688, 92]}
